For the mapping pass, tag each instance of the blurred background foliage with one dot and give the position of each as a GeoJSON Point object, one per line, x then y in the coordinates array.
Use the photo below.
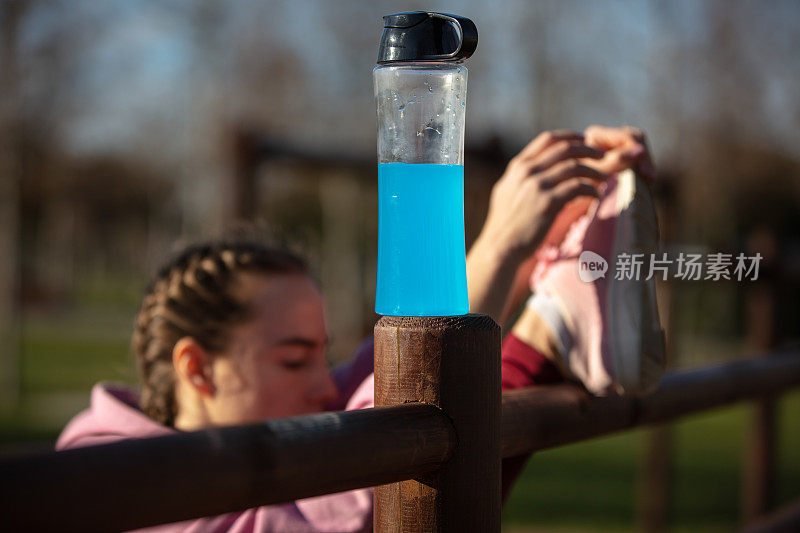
{"type": "Point", "coordinates": [127, 127]}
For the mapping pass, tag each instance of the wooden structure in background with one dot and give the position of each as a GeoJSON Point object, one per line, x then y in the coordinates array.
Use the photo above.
{"type": "Point", "coordinates": [344, 186]}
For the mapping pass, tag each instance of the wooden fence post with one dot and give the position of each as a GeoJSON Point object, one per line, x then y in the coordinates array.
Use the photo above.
{"type": "Point", "coordinates": [454, 364]}
{"type": "Point", "coordinates": [655, 470]}
{"type": "Point", "coordinates": [758, 476]}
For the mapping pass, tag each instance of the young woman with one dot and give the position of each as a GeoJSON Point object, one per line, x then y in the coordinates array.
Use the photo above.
{"type": "Point", "coordinates": [233, 332]}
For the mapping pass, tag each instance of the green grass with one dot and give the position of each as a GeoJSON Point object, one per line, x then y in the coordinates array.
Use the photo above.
{"type": "Point", "coordinates": [62, 354]}
{"type": "Point", "coordinates": [73, 364]}
{"type": "Point", "coordinates": [577, 486]}
{"type": "Point", "coordinates": [592, 486]}
{"type": "Point", "coordinates": [71, 353]}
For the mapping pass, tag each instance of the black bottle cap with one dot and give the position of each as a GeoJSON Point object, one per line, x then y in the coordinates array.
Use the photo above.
{"type": "Point", "coordinates": [425, 36]}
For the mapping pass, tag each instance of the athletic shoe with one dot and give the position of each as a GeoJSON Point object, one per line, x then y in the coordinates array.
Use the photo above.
{"type": "Point", "coordinates": [605, 325]}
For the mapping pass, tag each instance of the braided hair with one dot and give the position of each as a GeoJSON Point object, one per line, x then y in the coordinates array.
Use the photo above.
{"type": "Point", "coordinates": [190, 297]}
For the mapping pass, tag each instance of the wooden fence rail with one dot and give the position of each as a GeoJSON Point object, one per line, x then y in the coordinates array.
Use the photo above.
{"type": "Point", "coordinates": [144, 482]}
{"type": "Point", "coordinates": [133, 483]}
{"type": "Point", "coordinates": [539, 418]}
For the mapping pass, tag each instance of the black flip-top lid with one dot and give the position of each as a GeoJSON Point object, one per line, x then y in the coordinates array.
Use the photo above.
{"type": "Point", "coordinates": [426, 36]}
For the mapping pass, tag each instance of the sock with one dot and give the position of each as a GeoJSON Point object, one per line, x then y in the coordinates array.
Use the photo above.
{"type": "Point", "coordinates": [547, 307]}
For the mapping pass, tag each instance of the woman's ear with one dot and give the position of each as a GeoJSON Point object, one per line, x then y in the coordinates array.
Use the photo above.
{"type": "Point", "coordinates": [192, 366]}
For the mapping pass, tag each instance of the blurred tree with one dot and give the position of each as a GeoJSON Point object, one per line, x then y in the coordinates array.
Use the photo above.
{"type": "Point", "coordinates": [11, 15]}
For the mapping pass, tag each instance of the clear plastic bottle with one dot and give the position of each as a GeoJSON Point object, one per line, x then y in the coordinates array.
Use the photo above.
{"type": "Point", "coordinates": [420, 92]}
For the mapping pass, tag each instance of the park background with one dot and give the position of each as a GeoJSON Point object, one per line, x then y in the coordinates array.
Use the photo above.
{"type": "Point", "coordinates": [127, 127]}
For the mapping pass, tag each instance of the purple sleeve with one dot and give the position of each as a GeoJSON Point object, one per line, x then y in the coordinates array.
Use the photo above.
{"type": "Point", "coordinates": [349, 375]}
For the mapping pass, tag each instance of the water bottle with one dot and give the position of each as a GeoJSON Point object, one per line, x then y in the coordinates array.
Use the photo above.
{"type": "Point", "coordinates": [421, 93]}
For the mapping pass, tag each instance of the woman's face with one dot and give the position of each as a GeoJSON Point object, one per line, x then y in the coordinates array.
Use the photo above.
{"type": "Point", "coordinates": [275, 363]}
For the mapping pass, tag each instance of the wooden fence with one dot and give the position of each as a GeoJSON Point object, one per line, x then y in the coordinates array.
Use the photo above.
{"type": "Point", "coordinates": [432, 447]}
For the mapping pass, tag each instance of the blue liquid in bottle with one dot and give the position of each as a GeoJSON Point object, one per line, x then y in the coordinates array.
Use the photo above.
{"type": "Point", "coordinates": [421, 253]}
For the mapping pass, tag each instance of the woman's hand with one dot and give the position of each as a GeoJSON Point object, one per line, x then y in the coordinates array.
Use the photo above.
{"type": "Point", "coordinates": [538, 182]}
{"type": "Point", "coordinates": [546, 175]}
{"type": "Point", "coordinates": [624, 147]}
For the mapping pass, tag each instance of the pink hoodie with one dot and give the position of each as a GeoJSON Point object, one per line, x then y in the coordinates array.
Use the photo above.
{"type": "Point", "coordinates": [114, 415]}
